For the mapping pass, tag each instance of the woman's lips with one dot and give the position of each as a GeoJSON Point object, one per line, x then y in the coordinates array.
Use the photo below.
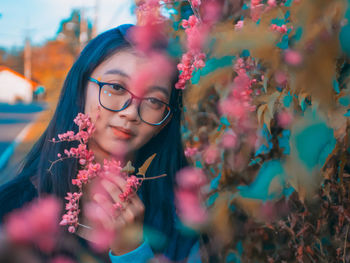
{"type": "Point", "coordinates": [122, 133]}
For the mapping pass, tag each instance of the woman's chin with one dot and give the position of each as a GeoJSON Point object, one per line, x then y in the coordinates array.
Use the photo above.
{"type": "Point", "coordinates": [118, 149]}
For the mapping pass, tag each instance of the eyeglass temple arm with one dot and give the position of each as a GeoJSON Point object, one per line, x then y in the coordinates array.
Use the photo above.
{"type": "Point", "coordinates": [94, 80]}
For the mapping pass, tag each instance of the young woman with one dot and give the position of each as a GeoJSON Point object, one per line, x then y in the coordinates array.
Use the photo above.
{"type": "Point", "coordinates": [135, 125]}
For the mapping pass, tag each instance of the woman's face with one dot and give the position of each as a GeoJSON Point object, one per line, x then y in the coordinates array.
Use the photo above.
{"type": "Point", "coordinates": [121, 134]}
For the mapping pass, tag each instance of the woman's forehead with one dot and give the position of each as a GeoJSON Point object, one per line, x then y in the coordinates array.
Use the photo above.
{"type": "Point", "coordinates": [130, 65]}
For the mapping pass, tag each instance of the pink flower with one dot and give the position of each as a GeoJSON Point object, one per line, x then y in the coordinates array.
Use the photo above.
{"type": "Point", "coordinates": [147, 35]}
{"type": "Point", "coordinates": [190, 207]}
{"type": "Point", "coordinates": [195, 3]}
{"type": "Point", "coordinates": [211, 12]}
{"type": "Point", "coordinates": [159, 65]}
{"type": "Point", "coordinates": [189, 152]}
{"type": "Point", "coordinates": [229, 140]}
{"type": "Point", "coordinates": [293, 57]}
{"type": "Point", "coordinates": [189, 196]}
{"type": "Point", "coordinates": [284, 119]}
{"type": "Point", "coordinates": [239, 25]}
{"type": "Point", "coordinates": [272, 3]}
{"type": "Point", "coordinates": [256, 10]}
{"type": "Point", "coordinates": [281, 29]}
{"type": "Point", "coordinates": [211, 155]}
{"type": "Point", "coordinates": [36, 223]}
{"type": "Point", "coordinates": [62, 259]}
{"type": "Point", "coordinates": [190, 178]}
{"type": "Point", "coordinates": [281, 77]}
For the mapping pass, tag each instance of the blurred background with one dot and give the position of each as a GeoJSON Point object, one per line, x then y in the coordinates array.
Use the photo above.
{"type": "Point", "coordinates": [39, 41]}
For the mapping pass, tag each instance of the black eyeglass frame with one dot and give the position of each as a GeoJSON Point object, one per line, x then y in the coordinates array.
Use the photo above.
{"type": "Point", "coordinates": [133, 96]}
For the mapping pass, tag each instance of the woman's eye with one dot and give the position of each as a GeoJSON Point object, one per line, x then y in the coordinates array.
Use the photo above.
{"type": "Point", "coordinates": [114, 89]}
{"type": "Point", "coordinates": [155, 103]}
{"type": "Point", "coordinates": [118, 87]}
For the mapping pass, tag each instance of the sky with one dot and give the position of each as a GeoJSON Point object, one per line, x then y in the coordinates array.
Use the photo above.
{"type": "Point", "coordinates": [40, 19]}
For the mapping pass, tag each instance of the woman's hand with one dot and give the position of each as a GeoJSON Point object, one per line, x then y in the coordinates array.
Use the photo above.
{"type": "Point", "coordinates": [123, 218]}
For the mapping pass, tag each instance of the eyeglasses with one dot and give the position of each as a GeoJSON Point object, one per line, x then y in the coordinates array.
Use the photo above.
{"type": "Point", "coordinates": [114, 97]}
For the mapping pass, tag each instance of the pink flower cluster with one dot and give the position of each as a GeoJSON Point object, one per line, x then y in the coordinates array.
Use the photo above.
{"type": "Point", "coordinates": [71, 217]}
{"type": "Point", "coordinates": [256, 9]}
{"type": "Point", "coordinates": [132, 184]}
{"type": "Point", "coordinates": [193, 58]}
{"type": "Point", "coordinates": [90, 170]}
{"type": "Point", "coordinates": [86, 128]}
{"type": "Point", "coordinates": [150, 27]}
{"type": "Point", "coordinates": [281, 29]}
{"type": "Point", "coordinates": [293, 57]}
{"type": "Point", "coordinates": [36, 223]}
{"type": "Point", "coordinates": [195, 3]}
{"type": "Point", "coordinates": [239, 25]}
{"type": "Point", "coordinates": [191, 151]}
{"type": "Point", "coordinates": [190, 197]}
{"type": "Point", "coordinates": [238, 105]}
{"type": "Point", "coordinates": [86, 175]}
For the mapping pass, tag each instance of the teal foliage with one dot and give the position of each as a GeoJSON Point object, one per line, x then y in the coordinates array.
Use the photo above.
{"type": "Point", "coordinates": [287, 15]}
{"type": "Point", "coordinates": [345, 101]}
{"type": "Point", "coordinates": [264, 149]}
{"type": "Point", "coordinates": [288, 3]}
{"type": "Point", "coordinates": [344, 36]}
{"type": "Point", "coordinates": [278, 21]}
{"type": "Point", "coordinates": [235, 257]}
{"type": "Point", "coordinates": [186, 11]}
{"type": "Point", "coordinates": [298, 34]}
{"type": "Point", "coordinates": [314, 143]}
{"type": "Point", "coordinates": [211, 65]}
{"type": "Point", "coordinates": [255, 161]}
{"type": "Point", "coordinates": [224, 121]}
{"type": "Point", "coordinates": [283, 44]}
{"type": "Point", "coordinates": [287, 100]}
{"type": "Point", "coordinates": [211, 200]}
{"type": "Point", "coordinates": [283, 141]}
{"type": "Point", "coordinates": [232, 258]}
{"type": "Point", "coordinates": [199, 164]}
{"type": "Point", "coordinates": [347, 114]}
{"type": "Point", "coordinates": [174, 47]}
{"type": "Point", "coordinates": [259, 188]}
{"type": "Point", "coordinates": [245, 53]}
{"type": "Point", "coordinates": [303, 104]}
{"type": "Point", "coordinates": [239, 248]}
{"type": "Point", "coordinates": [336, 86]}
{"type": "Point", "coordinates": [214, 184]}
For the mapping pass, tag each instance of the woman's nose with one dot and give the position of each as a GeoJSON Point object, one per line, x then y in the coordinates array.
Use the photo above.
{"type": "Point", "coordinates": [130, 111]}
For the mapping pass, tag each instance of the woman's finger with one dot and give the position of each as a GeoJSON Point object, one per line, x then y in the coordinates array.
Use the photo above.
{"type": "Point", "coordinates": [104, 210]}
{"type": "Point", "coordinates": [136, 206]}
{"type": "Point", "coordinates": [119, 181]}
{"type": "Point", "coordinates": [113, 190]}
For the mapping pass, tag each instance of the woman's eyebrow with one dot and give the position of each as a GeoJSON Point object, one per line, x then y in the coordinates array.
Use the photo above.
{"type": "Point", "coordinates": [161, 89]}
{"type": "Point", "coordinates": [117, 72]}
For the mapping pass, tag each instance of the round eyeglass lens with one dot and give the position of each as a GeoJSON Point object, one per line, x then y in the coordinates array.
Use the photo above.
{"type": "Point", "coordinates": [153, 111]}
{"type": "Point", "coordinates": [114, 97]}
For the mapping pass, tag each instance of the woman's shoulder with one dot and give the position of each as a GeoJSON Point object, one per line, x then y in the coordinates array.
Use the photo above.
{"type": "Point", "coordinates": [15, 194]}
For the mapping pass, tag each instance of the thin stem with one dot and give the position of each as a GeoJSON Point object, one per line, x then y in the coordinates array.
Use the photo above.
{"type": "Point", "coordinates": [85, 226]}
{"type": "Point", "coordinates": [153, 177]}
{"type": "Point", "coordinates": [346, 238]}
{"type": "Point", "coordinates": [58, 160]}
{"type": "Point", "coordinates": [195, 11]}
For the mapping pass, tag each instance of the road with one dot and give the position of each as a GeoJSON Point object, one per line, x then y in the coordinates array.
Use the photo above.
{"type": "Point", "coordinates": [14, 123]}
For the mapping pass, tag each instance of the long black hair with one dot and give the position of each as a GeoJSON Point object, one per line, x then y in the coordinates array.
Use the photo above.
{"type": "Point", "coordinates": [157, 195]}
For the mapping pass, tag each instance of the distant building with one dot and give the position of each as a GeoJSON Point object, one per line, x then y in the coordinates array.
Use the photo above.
{"type": "Point", "coordinates": [14, 87]}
